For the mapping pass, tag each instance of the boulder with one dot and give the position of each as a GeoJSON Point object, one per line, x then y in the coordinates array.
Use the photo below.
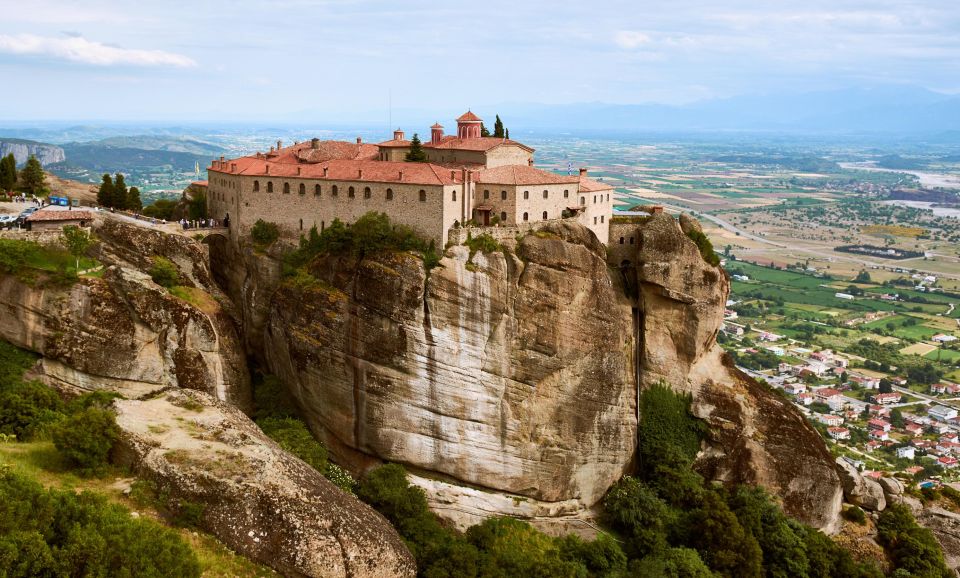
{"type": "Point", "coordinates": [892, 487]}
{"type": "Point", "coordinates": [688, 223]}
{"type": "Point", "coordinates": [858, 490]}
{"type": "Point", "coordinates": [945, 526]}
{"type": "Point", "coordinates": [259, 500]}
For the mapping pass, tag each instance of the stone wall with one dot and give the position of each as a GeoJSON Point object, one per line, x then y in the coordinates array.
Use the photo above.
{"type": "Point", "coordinates": [49, 237]}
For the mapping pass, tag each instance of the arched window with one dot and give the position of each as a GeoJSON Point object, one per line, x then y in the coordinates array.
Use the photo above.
{"type": "Point", "coordinates": [526, 217]}
{"type": "Point", "coordinates": [486, 194]}
{"type": "Point", "coordinates": [423, 196]}
{"type": "Point", "coordinates": [546, 194]}
{"type": "Point", "coordinates": [621, 240]}
{"type": "Point", "coordinates": [503, 216]}
{"type": "Point", "coordinates": [503, 195]}
{"type": "Point", "coordinates": [594, 199]}
{"type": "Point", "coordinates": [594, 220]}
{"type": "Point", "coordinates": [601, 218]}
{"type": "Point", "coordinates": [301, 224]}
{"type": "Point", "coordinates": [303, 189]}
{"type": "Point", "coordinates": [269, 186]}
{"type": "Point", "coordinates": [316, 190]}
{"type": "Point", "coordinates": [351, 193]}
{"type": "Point", "coordinates": [286, 188]}
{"type": "Point", "coordinates": [454, 194]}
{"type": "Point", "coordinates": [256, 186]}
{"type": "Point", "coordinates": [631, 240]}
{"type": "Point", "coordinates": [366, 192]}
{"type": "Point", "coordinates": [583, 201]}
{"type": "Point", "coordinates": [334, 191]}
{"type": "Point", "coordinates": [544, 215]}
{"type": "Point", "coordinates": [566, 194]}
{"type": "Point", "coordinates": [389, 194]}
{"type": "Point", "coordinates": [526, 195]}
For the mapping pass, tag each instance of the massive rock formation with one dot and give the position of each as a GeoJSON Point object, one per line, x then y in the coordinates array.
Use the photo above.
{"type": "Point", "coordinates": [507, 371]}
{"type": "Point", "coordinates": [258, 499]}
{"type": "Point", "coordinates": [22, 150]}
{"type": "Point", "coordinates": [125, 333]}
{"type": "Point", "coordinates": [517, 373]}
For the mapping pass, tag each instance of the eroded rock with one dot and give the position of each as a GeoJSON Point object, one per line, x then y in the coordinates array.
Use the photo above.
{"type": "Point", "coordinates": [259, 500]}
{"type": "Point", "coordinates": [859, 490]}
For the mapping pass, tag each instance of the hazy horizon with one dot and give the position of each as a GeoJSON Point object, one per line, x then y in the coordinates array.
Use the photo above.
{"type": "Point", "coordinates": [119, 61]}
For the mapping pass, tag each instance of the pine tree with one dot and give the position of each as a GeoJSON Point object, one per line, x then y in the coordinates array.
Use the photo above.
{"type": "Point", "coordinates": [105, 192]}
{"type": "Point", "coordinates": [32, 176]}
{"type": "Point", "coordinates": [133, 199]}
{"type": "Point", "coordinates": [416, 154]}
{"type": "Point", "coordinates": [498, 128]}
{"type": "Point", "coordinates": [483, 130]}
{"type": "Point", "coordinates": [119, 196]}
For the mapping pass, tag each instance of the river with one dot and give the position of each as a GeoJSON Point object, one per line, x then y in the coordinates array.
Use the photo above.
{"type": "Point", "coordinates": [938, 211]}
{"type": "Point", "coordinates": [932, 180]}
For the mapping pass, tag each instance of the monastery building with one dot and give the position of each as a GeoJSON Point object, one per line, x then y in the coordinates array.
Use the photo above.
{"type": "Point", "coordinates": [467, 177]}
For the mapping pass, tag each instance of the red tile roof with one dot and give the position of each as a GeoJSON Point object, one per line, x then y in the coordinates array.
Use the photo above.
{"type": "Point", "coordinates": [522, 175]}
{"type": "Point", "coordinates": [588, 185]}
{"type": "Point", "coordinates": [50, 215]}
{"type": "Point", "coordinates": [394, 143]}
{"type": "Point", "coordinates": [200, 183]}
{"type": "Point", "coordinates": [437, 125]}
{"type": "Point", "coordinates": [343, 170]}
{"type": "Point", "coordinates": [468, 117]}
{"type": "Point", "coordinates": [483, 143]}
{"type": "Point", "coordinates": [327, 150]}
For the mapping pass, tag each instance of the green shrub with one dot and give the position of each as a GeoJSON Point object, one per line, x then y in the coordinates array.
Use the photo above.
{"type": "Point", "coordinates": [509, 547]}
{"type": "Point", "coordinates": [164, 272]}
{"type": "Point", "coordinates": [264, 233]}
{"type": "Point", "coordinates": [188, 514]}
{"type": "Point", "coordinates": [29, 409]}
{"type": "Point", "coordinates": [160, 209]}
{"type": "Point", "coordinates": [672, 563]}
{"type": "Point", "coordinates": [705, 247]}
{"type": "Point", "coordinates": [293, 436]}
{"type": "Point", "coordinates": [668, 433]}
{"type": "Point", "coordinates": [372, 233]}
{"type": "Point", "coordinates": [270, 398]}
{"type": "Point", "coordinates": [62, 533]}
{"type": "Point", "coordinates": [855, 515]}
{"type": "Point", "coordinates": [910, 546]}
{"type": "Point", "coordinates": [484, 243]}
{"type": "Point", "coordinates": [635, 510]}
{"type": "Point", "coordinates": [86, 439]}
{"type": "Point", "coordinates": [340, 478]}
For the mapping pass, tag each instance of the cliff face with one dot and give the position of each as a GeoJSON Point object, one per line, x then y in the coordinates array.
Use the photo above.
{"type": "Point", "coordinates": [756, 437]}
{"type": "Point", "coordinates": [506, 372]}
{"type": "Point", "coordinates": [22, 150]}
{"type": "Point", "coordinates": [517, 372]}
{"type": "Point", "coordinates": [123, 332]}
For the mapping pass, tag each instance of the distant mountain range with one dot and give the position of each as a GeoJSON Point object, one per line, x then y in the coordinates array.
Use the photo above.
{"type": "Point", "coordinates": [885, 109]}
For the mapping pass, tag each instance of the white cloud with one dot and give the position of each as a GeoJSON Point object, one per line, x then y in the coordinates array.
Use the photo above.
{"type": "Point", "coordinates": [630, 39]}
{"type": "Point", "coordinates": [79, 49]}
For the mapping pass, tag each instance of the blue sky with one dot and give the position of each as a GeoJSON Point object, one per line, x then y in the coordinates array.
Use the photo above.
{"type": "Point", "coordinates": [333, 59]}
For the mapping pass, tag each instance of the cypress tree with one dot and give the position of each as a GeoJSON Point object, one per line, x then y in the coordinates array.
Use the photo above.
{"type": "Point", "coordinates": [6, 182]}
{"type": "Point", "coordinates": [498, 128]}
{"type": "Point", "coordinates": [483, 130]}
{"type": "Point", "coordinates": [119, 196]}
{"type": "Point", "coordinates": [133, 199]}
{"type": "Point", "coordinates": [416, 154]}
{"type": "Point", "coordinates": [32, 176]}
{"type": "Point", "coordinates": [8, 172]}
{"type": "Point", "coordinates": [506, 133]}
{"type": "Point", "coordinates": [105, 192]}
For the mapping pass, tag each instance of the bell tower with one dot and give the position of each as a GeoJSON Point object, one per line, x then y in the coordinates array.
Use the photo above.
{"type": "Point", "coordinates": [468, 125]}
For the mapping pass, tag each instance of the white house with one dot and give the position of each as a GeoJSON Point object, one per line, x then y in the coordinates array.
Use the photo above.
{"type": "Point", "coordinates": [839, 433]}
{"type": "Point", "coordinates": [843, 296]}
{"type": "Point", "coordinates": [907, 452]}
{"type": "Point", "coordinates": [942, 412]}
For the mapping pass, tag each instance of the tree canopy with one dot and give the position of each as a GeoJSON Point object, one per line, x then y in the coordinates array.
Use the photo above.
{"type": "Point", "coordinates": [416, 154]}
